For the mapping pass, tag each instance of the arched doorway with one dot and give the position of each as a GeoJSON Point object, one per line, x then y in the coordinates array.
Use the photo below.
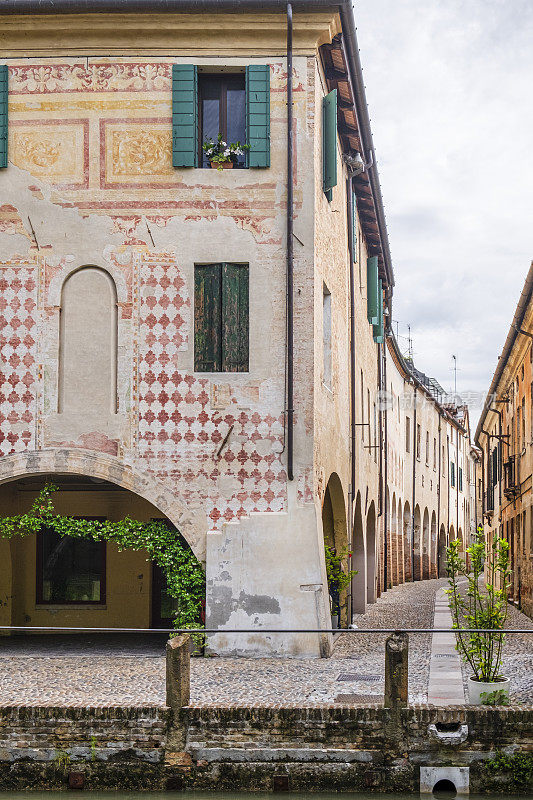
{"type": "Point", "coordinates": [441, 553]}
{"type": "Point", "coordinates": [433, 570]}
{"type": "Point", "coordinates": [358, 561]}
{"type": "Point", "coordinates": [336, 538]}
{"type": "Point", "coordinates": [394, 542]}
{"type": "Point", "coordinates": [425, 546]}
{"type": "Point", "coordinates": [71, 582]}
{"type": "Point", "coordinates": [371, 574]}
{"type": "Point", "coordinates": [407, 539]}
{"type": "Point", "coordinates": [417, 531]}
{"type": "Point", "coordinates": [399, 543]}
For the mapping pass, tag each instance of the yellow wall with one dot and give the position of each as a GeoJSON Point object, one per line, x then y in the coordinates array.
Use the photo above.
{"type": "Point", "coordinates": [128, 573]}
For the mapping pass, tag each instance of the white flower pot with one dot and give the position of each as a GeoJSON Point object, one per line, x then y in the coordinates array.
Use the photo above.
{"type": "Point", "coordinates": [334, 620]}
{"type": "Point", "coordinates": [477, 688]}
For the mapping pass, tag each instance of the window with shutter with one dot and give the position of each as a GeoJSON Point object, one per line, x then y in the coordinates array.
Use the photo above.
{"type": "Point", "coordinates": [452, 473]}
{"type": "Point", "coordinates": [221, 318]}
{"type": "Point", "coordinates": [372, 290]}
{"type": "Point", "coordinates": [378, 330]}
{"type": "Point", "coordinates": [329, 142]}
{"type": "Point", "coordinates": [3, 115]}
{"type": "Point", "coordinates": [258, 114]}
{"type": "Point", "coordinates": [184, 115]}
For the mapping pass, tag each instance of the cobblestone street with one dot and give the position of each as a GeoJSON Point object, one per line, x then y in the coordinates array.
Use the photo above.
{"type": "Point", "coordinates": [131, 671]}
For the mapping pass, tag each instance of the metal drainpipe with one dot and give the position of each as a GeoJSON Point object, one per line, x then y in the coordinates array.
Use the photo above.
{"type": "Point", "coordinates": [414, 491]}
{"type": "Point", "coordinates": [290, 256]}
{"type": "Point", "coordinates": [385, 471]}
{"type": "Point", "coordinates": [349, 184]}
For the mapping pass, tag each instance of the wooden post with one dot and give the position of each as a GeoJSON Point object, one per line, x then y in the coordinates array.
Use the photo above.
{"type": "Point", "coordinates": [396, 671]}
{"type": "Point", "coordinates": [178, 672]}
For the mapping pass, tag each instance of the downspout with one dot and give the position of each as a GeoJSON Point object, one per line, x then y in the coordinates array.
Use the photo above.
{"type": "Point", "coordinates": [414, 490]}
{"type": "Point", "coordinates": [352, 381]}
{"type": "Point", "coordinates": [290, 256]}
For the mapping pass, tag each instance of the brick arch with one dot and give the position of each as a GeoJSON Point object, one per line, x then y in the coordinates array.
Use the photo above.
{"type": "Point", "coordinates": [76, 461]}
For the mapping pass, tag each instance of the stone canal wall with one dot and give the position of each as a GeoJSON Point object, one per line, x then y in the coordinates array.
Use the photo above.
{"type": "Point", "coordinates": [321, 748]}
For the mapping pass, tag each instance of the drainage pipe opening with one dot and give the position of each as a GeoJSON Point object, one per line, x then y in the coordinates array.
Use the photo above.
{"type": "Point", "coordinates": [444, 790]}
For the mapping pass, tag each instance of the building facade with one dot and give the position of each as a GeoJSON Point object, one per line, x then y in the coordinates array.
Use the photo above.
{"type": "Point", "coordinates": [205, 346]}
{"type": "Point", "coordinates": [505, 437]}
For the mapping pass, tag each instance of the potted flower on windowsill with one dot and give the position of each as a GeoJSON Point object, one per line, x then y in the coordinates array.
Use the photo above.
{"type": "Point", "coordinates": [483, 652]}
{"type": "Point", "coordinates": [222, 155]}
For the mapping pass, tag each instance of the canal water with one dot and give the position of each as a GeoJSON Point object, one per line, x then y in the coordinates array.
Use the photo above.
{"type": "Point", "coordinates": [237, 796]}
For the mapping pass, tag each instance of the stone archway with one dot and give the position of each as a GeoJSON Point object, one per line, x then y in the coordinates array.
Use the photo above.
{"type": "Point", "coordinates": [425, 547]}
{"type": "Point", "coordinates": [399, 544]}
{"type": "Point", "coordinates": [407, 539]}
{"type": "Point", "coordinates": [416, 544]}
{"type": "Point", "coordinates": [371, 556]}
{"type": "Point", "coordinates": [433, 569]}
{"type": "Point", "coordinates": [394, 542]}
{"type": "Point", "coordinates": [335, 532]}
{"type": "Point", "coordinates": [358, 561]}
{"type": "Point", "coordinates": [441, 553]}
{"type": "Point", "coordinates": [76, 461]}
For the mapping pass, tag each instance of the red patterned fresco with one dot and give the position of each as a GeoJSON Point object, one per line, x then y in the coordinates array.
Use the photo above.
{"type": "Point", "coordinates": [180, 434]}
{"type": "Point", "coordinates": [97, 77]}
{"type": "Point", "coordinates": [18, 304]}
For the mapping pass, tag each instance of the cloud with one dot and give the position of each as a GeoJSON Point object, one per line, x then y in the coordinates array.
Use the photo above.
{"type": "Point", "coordinates": [449, 91]}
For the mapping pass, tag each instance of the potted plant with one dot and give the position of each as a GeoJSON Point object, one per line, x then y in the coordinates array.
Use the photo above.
{"type": "Point", "coordinates": [222, 155]}
{"type": "Point", "coordinates": [478, 609]}
{"type": "Point", "coordinates": [338, 580]}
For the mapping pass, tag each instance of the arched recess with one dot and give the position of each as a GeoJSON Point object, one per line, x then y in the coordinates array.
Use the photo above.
{"type": "Point", "coordinates": [371, 556]}
{"type": "Point", "coordinates": [417, 531]}
{"type": "Point", "coordinates": [460, 537]}
{"type": "Point", "coordinates": [358, 560]}
{"type": "Point", "coordinates": [399, 543]}
{"type": "Point", "coordinates": [76, 461]}
{"type": "Point", "coordinates": [441, 553]}
{"type": "Point", "coordinates": [407, 542]}
{"type": "Point", "coordinates": [433, 571]}
{"type": "Point", "coordinates": [335, 531]}
{"type": "Point", "coordinates": [394, 541]}
{"type": "Point", "coordinates": [452, 534]}
{"type": "Point", "coordinates": [425, 546]}
{"type": "Point", "coordinates": [88, 356]}
{"type": "Point", "coordinates": [383, 584]}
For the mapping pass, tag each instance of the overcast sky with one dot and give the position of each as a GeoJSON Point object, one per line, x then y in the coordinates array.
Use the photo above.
{"type": "Point", "coordinates": [450, 92]}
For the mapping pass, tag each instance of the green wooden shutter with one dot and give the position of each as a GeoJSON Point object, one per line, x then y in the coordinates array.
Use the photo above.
{"type": "Point", "coordinates": [207, 318]}
{"type": "Point", "coordinates": [235, 318]}
{"type": "Point", "coordinates": [258, 114]}
{"type": "Point", "coordinates": [184, 115]}
{"type": "Point", "coordinates": [329, 142]}
{"type": "Point", "coordinates": [354, 226]}
{"type": "Point", "coordinates": [378, 329]}
{"type": "Point", "coordinates": [372, 290]}
{"type": "Point", "coordinates": [3, 115]}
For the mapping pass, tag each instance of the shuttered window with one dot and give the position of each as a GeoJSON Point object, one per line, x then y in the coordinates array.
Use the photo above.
{"type": "Point", "coordinates": [372, 290]}
{"type": "Point", "coordinates": [184, 115]}
{"type": "Point", "coordinates": [187, 114]}
{"type": "Point", "coordinates": [377, 329]}
{"type": "Point", "coordinates": [3, 115]}
{"type": "Point", "coordinates": [258, 114]}
{"type": "Point", "coordinates": [329, 142]}
{"type": "Point", "coordinates": [221, 319]}
{"type": "Point", "coordinates": [452, 473]}
{"type": "Point", "coordinates": [460, 479]}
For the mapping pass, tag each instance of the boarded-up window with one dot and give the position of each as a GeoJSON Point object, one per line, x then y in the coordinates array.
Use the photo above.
{"type": "Point", "coordinates": [221, 327]}
{"type": "Point", "coordinates": [88, 344]}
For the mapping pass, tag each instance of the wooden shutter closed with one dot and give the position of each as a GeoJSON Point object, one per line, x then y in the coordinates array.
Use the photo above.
{"type": "Point", "coordinates": [329, 142]}
{"type": "Point", "coordinates": [372, 290]}
{"type": "Point", "coordinates": [3, 115]}
{"type": "Point", "coordinates": [258, 114]}
{"type": "Point", "coordinates": [184, 115]}
{"type": "Point", "coordinates": [235, 326]}
{"type": "Point", "coordinates": [207, 318]}
{"type": "Point", "coordinates": [378, 328]}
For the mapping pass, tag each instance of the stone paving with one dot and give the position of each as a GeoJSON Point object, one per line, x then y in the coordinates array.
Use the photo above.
{"type": "Point", "coordinates": [130, 670]}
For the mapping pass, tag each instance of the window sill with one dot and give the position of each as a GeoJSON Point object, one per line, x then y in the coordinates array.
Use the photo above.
{"type": "Point", "coordinates": [70, 607]}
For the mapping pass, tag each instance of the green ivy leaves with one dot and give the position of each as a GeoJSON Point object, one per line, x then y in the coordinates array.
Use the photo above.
{"type": "Point", "coordinates": [184, 573]}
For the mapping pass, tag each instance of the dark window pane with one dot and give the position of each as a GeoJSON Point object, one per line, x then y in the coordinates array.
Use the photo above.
{"type": "Point", "coordinates": [71, 569]}
{"type": "Point", "coordinates": [236, 101]}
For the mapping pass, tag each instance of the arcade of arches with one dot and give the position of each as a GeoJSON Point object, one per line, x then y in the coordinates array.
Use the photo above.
{"type": "Point", "coordinates": [415, 550]}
